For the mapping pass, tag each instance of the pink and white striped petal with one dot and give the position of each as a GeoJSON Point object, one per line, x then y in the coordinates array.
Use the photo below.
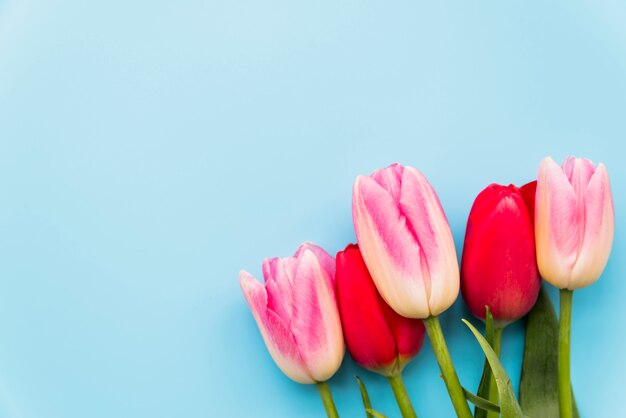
{"type": "Point", "coordinates": [440, 269]}
{"type": "Point", "coordinates": [599, 228]}
{"type": "Point", "coordinates": [279, 340]}
{"type": "Point", "coordinates": [389, 246]}
{"type": "Point", "coordinates": [326, 260]}
{"type": "Point", "coordinates": [557, 227]}
{"type": "Point", "coordinates": [316, 324]}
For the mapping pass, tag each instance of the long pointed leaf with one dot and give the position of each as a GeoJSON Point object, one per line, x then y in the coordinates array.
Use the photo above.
{"type": "Point", "coordinates": [481, 403]}
{"type": "Point", "coordinates": [539, 386]}
{"type": "Point", "coordinates": [365, 397]}
{"type": "Point", "coordinates": [509, 407]}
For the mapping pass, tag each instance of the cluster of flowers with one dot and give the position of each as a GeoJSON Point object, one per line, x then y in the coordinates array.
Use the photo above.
{"type": "Point", "coordinates": [381, 296]}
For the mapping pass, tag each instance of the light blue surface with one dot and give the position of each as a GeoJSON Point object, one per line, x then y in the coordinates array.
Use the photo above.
{"type": "Point", "coordinates": [149, 150]}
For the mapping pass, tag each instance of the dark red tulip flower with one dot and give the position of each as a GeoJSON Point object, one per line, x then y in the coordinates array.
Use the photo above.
{"type": "Point", "coordinates": [378, 338]}
{"type": "Point", "coordinates": [499, 265]}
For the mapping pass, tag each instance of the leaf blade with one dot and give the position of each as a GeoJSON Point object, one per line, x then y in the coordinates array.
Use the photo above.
{"type": "Point", "coordinates": [367, 404]}
{"type": "Point", "coordinates": [509, 407]}
{"type": "Point", "coordinates": [539, 386]}
{"type": "Point", "coordinates": [481, 403]}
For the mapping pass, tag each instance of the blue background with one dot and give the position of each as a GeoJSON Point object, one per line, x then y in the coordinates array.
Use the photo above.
{"type": "Point", "coordinates": [149, 150]}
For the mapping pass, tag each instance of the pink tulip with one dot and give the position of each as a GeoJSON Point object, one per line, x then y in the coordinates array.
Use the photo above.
{"type": "Point", "coordinates": [406, 241]}
{"type": "Point", "coordinates": [297, 314]}
{"type": "Point", "coordinates": [574, 222]}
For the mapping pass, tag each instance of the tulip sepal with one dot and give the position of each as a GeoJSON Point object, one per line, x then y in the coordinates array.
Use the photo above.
{"type": "Point", "coordinates": [457, 395]}
{"type": "Point", "coordinates": [565, 322]}
{"type": "Point", "coordinates": [327, 399]}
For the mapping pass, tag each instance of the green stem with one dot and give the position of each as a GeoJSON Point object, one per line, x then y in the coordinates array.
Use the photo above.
{"type": "Point", "coordinates": [402, 397]}
{"type": "Point", "coordinates": [433, 328]}
{"type": "Point", "coordinates": [493, 386]}
{"type": "Point", "coordinates": [327, 399]}
{"type": "Point", "coordinates": [565, 324]}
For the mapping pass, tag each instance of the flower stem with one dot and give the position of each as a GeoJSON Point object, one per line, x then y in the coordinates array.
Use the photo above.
{"type": "Point", "coordinates": [565, 324]}
{"type": "Point", "coordinates": [327, 399]}
{"type": "Point", "coordinates": [402, 397]}
{"type": "Point", "coordinates": [493, 386]}
{"type": "Point", "coordinates": [433, 328]}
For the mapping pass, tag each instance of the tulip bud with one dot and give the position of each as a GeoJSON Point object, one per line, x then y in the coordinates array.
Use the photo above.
{"type": "Point", "coordinates": [377, 337]}
{"type": "Point", "coordinates": [498, 267]}
{"type": "Point", "coordinates": [574, 222]}
{"type": "Point", "coordinates": [296, 312]}
{"type": "Point", "coordinates": [406, 241]}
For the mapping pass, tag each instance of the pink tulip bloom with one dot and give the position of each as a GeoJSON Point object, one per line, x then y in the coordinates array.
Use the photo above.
{"type": "Point", "coordinates": [574, 222]}
{"type": "Point", "coordinates": [406, 241]}
{"type": "Point", "coordinates": [297, 313]}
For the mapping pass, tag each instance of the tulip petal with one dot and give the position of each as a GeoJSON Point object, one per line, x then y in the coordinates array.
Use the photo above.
{"type": "Point", "coordinates": [369, 338]}
{"type": "Point", "coordinates": [390, 179]}
{"type": "Point", "coordinates": [529, 192]}
{"type": "Point", "coordinates": [279, 286]}
{"type": "Point", "coordinates": [408, 333]}
{"type": "Point", "coordinates": [270, 266]}
{"type": "Point", "coordinates": [315, 322]}
{"type": "Point", "coordinates": [421, 206]}
{"type": "Point", "coordinates": [326, 260]}
{"type": "Point", "coordinates": [389, 248]}
{"type": "Point", "coordinates": [598, 230]}
{"type": "Point", "coordinates": [556, 224]}
{"type": "Point", "coordinates": [279, 340]}
{"type": "Point", "coordinates": [498, 266]}
{"type": "Point", "coordinates": [578, 172]}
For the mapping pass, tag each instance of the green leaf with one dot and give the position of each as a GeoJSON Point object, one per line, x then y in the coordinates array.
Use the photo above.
{"type": "Point", "coordinates": [485, 381]}
{"type": "Point", "coordinates": [481, 403]}
{"type": "Point", "coordinates": [375, 414]}
{"type": "Point", "coordinates": [365, 397]}
{"type": "Point", "coordinates": [539, 384]}
{"type": "Point", "coordinates": [509, 407]}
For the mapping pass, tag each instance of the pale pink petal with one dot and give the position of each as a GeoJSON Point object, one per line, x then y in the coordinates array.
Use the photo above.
{"type": "Point", "coordinates": [599, 229]}
{"type": "Point", "coordinates": [390, 179]}
{"type": "Point", "coordinates": [440, 270]}
{"type": "Point", "coordinates": [557, 228]}
{"type": "Point", "coordinates": [389, 248]}
{"type": "Point", "coordinates": [279, 340]}
{"type": "Point", "coordinates": [315, 323]}
{"type": "Point", "coordinates": [270, 266]}
{"type": "Point", "coordinates": [326, 260]}
{"type": "Point", "coordinates": [278, 285]}
{"type": "Point", "coordinates": [578, 172]}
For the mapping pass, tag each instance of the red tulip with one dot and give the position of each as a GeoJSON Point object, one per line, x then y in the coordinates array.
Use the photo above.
{"type": "Point", "coordinates": [499, 266]}
{"type": "Point", "coordinates": [377, 337]}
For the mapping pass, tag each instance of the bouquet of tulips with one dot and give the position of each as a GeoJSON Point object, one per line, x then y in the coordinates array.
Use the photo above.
{"type": "Point", "coordinates": [381, 296]}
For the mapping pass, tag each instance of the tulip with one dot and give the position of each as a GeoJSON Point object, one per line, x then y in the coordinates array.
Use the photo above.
{"type": "Point", "coordinates": [296, 312]}
{"type": "Point", "coordinates": [498, 267]}
{"type": "Point", "coordinates": [574, 226]}
{"type": "Point", "coordinates": [574, 222]}
{"type": "Point", "coordinates": [408, 248]}
{"type": "Point", "coordinates": [406, 241]}
{"type": "Point", "coordinates": [377, 337]}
